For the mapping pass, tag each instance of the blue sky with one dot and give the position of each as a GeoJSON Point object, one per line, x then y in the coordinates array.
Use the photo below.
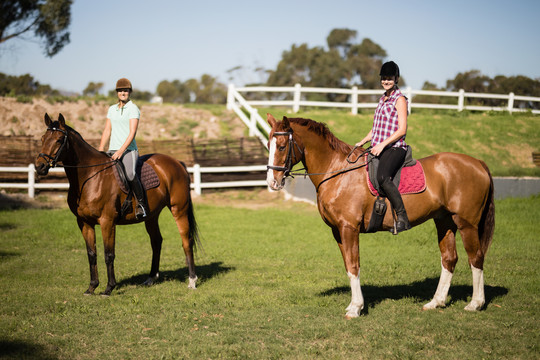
{"type": "Point", "coordinates": [151, 41]}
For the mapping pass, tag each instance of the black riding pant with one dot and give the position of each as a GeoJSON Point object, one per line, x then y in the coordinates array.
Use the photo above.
{"type": "Point", "coordinates": [390, 160]}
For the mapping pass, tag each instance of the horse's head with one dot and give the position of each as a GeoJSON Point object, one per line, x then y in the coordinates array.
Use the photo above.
{"type": "Point", "coordinates": [53, 144]}
{"type": "Point", "coordinates": [284, 152]}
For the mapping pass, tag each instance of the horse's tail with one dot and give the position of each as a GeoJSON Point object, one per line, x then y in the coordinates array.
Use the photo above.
{"type": "Point", "coordinates": [193, 227]}
{"type": "Point", "coordinates": [487, 222]}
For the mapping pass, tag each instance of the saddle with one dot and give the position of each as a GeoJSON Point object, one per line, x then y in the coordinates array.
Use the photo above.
{"type": "Point", "coordinates": [409, 179]}
{"type": "Point", "coordinates": [144, 171]}
{"type": "Point", "coordinates": [147, 177]}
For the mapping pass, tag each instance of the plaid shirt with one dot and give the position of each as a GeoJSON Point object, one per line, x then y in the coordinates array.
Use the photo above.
{"type": "Point", "coordinates": [385, 120]}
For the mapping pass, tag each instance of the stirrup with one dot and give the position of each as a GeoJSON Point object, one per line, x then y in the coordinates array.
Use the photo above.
{"type": "Point", "coordinates": [140, 212]}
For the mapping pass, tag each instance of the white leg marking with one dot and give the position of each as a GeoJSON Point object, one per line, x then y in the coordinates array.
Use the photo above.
{"type": "Point", "coordinates": [192, 283]}
{"type": "Point", "coordinates": [478, 298]}
{"type": "Point", "coordinates": [357, 299]}
{"type": "Point", "coordinates": [270, 173]}
{"type": "Point", "coordinates": [439, 299]}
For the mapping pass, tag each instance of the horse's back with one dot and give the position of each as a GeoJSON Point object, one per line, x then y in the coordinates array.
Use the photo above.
{"type": "Point", "coordinates": [167, 165]}
{"type": "Point", "coordinates": [461, 182]}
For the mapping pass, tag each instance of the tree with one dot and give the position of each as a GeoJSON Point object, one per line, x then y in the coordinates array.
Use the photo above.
{"type": "Point", "coordinates": [344, 63]}
{"type": "Point", "coordinates": [93, 88]}
{"type": "Point", "coordinates": [207, 90]}
{"type": "Point", "coordinates": [47, 19]}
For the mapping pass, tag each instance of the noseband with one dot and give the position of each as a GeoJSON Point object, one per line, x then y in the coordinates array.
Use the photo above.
{"type": "Point", "coordinates": [51, 161]}
{"type": "Point", "coordinates": [291, 159]}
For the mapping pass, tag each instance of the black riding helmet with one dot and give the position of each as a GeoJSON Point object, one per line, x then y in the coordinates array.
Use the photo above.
{"type": "Point", "coordinates": [390, 68]}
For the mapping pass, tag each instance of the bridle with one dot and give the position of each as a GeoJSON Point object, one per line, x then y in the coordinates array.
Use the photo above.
{"type": "Point", "coordinates": [291, 159]}
{"type": "Point", "coordinates": [51, 161]}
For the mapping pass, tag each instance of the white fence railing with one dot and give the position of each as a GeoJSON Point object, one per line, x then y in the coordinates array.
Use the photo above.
{"type": "Point", "coordinates": [197, 185]}
{"type": "Point", "coordinates": [235, 100]}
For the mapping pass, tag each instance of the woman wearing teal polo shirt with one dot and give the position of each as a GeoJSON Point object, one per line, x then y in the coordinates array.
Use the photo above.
{"type": "Point", "coordinates": [120, 129]}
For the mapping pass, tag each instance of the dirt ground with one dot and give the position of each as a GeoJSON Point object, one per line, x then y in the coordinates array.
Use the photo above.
{"type": "Point", "coordinates": [158, 121]}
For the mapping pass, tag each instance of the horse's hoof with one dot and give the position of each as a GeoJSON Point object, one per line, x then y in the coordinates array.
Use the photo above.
{"type": "Point", "coordinates": [474, 305]}
{"type": "Point", "coordinates": [432, 305]}
{"type": "Point", "coordinates": [88, 293]}
{"type": "Point", "coordinates": [192, 283]}
{"type": "Point", "coordinates": [351, 315]}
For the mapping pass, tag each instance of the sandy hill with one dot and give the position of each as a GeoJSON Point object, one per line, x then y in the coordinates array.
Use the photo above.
{"type": "Point", "coordinates": [158, 122]}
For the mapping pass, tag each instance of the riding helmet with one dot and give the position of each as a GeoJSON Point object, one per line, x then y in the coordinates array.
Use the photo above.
{"type": "Point", "coordinates": [123, 83]}
{"type": "Point", "coordinates": [389, 68]}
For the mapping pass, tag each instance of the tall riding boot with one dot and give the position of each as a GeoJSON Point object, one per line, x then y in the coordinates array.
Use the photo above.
{"type": "Point", "coordinates": [141, 211]}
{"type": "Point", "coordinates": [393, 195]}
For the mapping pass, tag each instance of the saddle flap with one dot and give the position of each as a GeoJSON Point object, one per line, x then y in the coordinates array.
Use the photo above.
{"type": "Point", "coordinates": [144, 171]}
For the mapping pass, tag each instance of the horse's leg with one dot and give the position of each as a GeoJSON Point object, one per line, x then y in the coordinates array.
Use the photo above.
{"type": "Point", "coordinates": [446, 232]}
{"type": "Point", "coordinates": [182, 222]}
{"type": "Point", "coordinates": [347, 239]}
{"type": "Point", "coordinates": [89, 235]}
{"type": "Point", "coordinates": [152, 228]}
{"type": "Point", "coordinates": [108, 232]}
{"type": "Point", "coordinates": [471, 241]}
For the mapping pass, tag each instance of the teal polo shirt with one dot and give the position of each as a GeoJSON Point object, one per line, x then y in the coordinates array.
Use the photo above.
{"type": "Point", "coordinates": [120, 124]}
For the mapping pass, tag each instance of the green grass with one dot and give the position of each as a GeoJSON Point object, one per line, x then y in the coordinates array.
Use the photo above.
{"type": "Point", "coordinates": [272, 286]}
{"type": "Point", "coordinates": [505, 142]}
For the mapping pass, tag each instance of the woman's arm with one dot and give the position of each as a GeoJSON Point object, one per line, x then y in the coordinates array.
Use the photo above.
{"type": "Point", "coordinates": [106, 135]}
{"type": "Point", "coordinates": [365, 139]}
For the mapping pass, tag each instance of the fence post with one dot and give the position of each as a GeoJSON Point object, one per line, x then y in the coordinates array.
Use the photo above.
{"type": "Point", "coordinates": [461, 100]}
{"type": "Point", "coordinates": [296, 97]}
{"type": "Point", "coordinates": [230, 97]}
{"type": "Point", "coordinates": [197, 178]}
{"type": "Point", "coordinates": [408, 93]}
{"type": "Point", "coordinates": [31, 180]}
{"type": "Point", "coordinates": [510, 102]}
{"type": "Point", "coordinates": [354, 100]}
{"type": "Point", "coordinates": [252, 121]}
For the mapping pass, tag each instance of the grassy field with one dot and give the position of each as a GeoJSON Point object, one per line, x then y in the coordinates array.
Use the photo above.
{"type": "Point", "coordinates": [272, 286]}
{"type": "Point", "coordinates": [505, 142]}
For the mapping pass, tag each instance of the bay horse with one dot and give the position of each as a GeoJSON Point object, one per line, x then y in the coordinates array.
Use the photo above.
{"type": "Point", "coordinates": [458, 196]}
{"type": "Point", "coordinates": [95, 198]}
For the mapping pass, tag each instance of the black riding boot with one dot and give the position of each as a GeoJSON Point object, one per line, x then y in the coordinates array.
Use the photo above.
{"type": "Point", "coordinates": [393, 195]}
{"type": "Point", "coordinates": [141, 211]}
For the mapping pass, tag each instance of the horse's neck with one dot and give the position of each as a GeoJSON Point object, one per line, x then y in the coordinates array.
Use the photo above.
{"type": "Point", "coordinates": [82, 153]}
{"type": "Point", "coordinates": [319, 155]}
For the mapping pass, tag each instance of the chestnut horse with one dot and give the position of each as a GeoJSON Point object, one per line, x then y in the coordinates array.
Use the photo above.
{"type": "Point", "coordinates": [95, 198]}
{"type": "Point", "coordinates": [458, 196]}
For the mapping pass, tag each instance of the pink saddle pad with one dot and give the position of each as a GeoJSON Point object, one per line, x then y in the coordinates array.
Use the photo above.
{"type": "Point", "coordinates": [412, 181]}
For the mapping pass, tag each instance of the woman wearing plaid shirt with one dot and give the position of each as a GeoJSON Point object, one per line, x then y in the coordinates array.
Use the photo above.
{"type": "Point", "coordinates": [387, 139]}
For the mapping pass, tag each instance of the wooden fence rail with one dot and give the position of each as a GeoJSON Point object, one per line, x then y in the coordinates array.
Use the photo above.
{"type": "Point", "coordinates": [197, 184]}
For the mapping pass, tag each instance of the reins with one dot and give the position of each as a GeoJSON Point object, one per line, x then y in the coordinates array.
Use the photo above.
{"type": "Point", "coordinates": [291, 158]}
{"type": "Point", "coordinates": [51, 161]}
{"type": "Point", "coordinates": [335, 173]}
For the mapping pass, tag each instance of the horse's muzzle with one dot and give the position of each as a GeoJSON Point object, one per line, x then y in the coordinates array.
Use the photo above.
{"type": "Point", "coordinates": [275, 184]}
{"type": "Point", "coordinates": [42, 168]}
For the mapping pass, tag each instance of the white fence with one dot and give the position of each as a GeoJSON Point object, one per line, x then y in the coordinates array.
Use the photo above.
{"type": "Point", "coordinates": [235, 99]}
{"type": "Point", "coordinates": [196, 170]}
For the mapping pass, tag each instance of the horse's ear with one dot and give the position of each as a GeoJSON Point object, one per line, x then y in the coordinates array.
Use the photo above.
{"type": "Point", "coordinates": [286, 123]}
{"type": "Point", "coordinates": [61, 120]}
{"type": "Point", "coordinates": [48, 120]}
{"type": "Point", "coordinates": [271, 120]}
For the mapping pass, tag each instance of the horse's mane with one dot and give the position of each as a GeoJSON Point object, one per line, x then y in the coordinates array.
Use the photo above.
{"type": "Point", "coordinates": [322, 130]}
{"type": "Point", "coordinates": [69, 129]}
